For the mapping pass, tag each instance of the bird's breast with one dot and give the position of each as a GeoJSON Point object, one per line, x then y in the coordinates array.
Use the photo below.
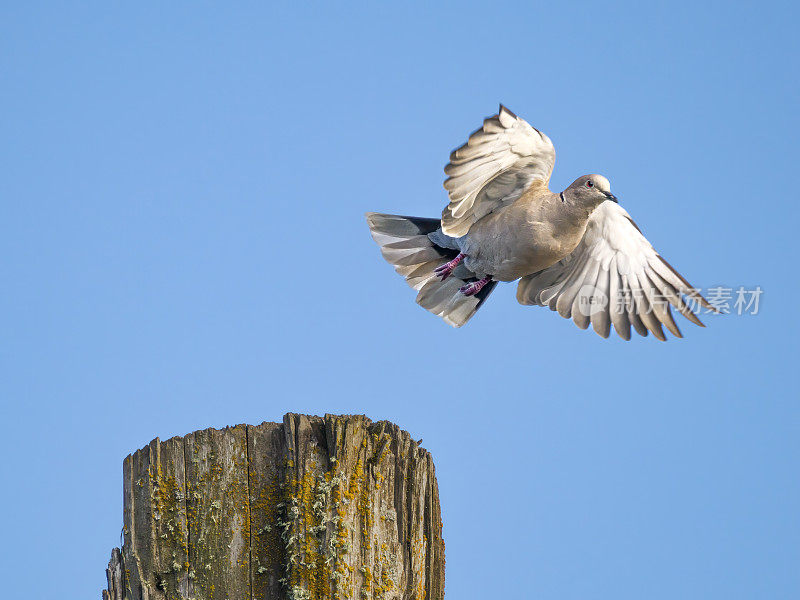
{"type": "Point", "coordinates": [510, 245]}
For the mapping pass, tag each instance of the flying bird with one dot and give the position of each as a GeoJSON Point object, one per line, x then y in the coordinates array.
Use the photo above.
{"type": "Point", "coordinates": [577, 252]}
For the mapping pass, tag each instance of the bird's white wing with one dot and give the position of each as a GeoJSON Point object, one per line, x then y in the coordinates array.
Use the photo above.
{"type": "Point", "coordinates": [499, 162]}
{"type": "Point", "coordinates": [614, 276]}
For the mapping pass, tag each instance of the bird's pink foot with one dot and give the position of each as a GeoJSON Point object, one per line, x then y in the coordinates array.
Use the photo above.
{"type": "Point", "coordinates": [476, 286]}
{"type": "Point", "coordinates": [447, 268]}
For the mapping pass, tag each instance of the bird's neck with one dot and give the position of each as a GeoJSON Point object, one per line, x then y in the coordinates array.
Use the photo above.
{"type": "Point", "coordinates": [576, 210]}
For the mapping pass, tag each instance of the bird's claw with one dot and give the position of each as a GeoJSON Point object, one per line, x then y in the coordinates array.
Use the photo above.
{"type": "Point", "coordinates": [444, 271]}
{"type": "Point", "coordinates": [473, 288]}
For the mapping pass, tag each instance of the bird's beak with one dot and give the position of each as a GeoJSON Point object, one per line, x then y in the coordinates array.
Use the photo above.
{"type": "Point", "coordinates": [611, 197]}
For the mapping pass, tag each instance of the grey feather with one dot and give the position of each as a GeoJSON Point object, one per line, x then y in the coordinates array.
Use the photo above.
{"type": "Point", "coordinates": [416, 247]}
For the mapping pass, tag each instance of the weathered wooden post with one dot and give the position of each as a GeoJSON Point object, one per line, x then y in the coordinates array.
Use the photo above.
{"type": "Point", "coordinates": [313, 508]}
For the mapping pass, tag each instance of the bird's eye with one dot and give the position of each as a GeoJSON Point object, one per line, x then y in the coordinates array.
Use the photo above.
{"type": "Point", "coordinates": [589, 184]}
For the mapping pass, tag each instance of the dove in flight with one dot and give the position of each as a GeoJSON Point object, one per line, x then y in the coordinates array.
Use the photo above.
{"type": "Point", "coordinates": [577, 252]}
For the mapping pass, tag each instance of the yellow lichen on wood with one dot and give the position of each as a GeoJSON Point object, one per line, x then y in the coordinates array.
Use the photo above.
{"type": "Point", "coordinates": [332, 508]}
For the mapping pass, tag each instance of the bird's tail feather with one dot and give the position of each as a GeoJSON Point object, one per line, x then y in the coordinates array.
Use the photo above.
{"type": "Point", "coordinates": [405, 244]}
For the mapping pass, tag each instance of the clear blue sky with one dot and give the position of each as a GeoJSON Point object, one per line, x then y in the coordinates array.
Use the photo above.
{"type": "Point", "coordinates": [182, 245]}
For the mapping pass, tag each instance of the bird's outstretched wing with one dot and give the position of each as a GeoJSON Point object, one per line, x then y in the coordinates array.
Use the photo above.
{"type": "Point", "coordinates": [614, 276]}
{"type": "Point", "coordinates": [499, 162]}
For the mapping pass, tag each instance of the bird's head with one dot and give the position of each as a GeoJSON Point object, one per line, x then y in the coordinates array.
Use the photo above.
{"type": "Point", "coordinates": [590, 191]}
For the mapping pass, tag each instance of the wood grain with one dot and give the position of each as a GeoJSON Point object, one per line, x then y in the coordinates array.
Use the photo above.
{"type": "Point", "coordinates": [333, 507]}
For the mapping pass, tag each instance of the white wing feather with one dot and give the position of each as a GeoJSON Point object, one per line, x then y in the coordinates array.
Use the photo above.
{"type": "Point", "coordinates": [614, 277]}
{"type": "Point", "coordinates": [496, 165]}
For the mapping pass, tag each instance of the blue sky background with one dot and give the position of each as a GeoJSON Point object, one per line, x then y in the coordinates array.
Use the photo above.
{"type": "Point", "coordinates": [182, 245]}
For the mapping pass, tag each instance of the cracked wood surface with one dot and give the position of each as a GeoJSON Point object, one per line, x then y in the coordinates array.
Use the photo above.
{"type": "Point", "coordinates": [313, 508]}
